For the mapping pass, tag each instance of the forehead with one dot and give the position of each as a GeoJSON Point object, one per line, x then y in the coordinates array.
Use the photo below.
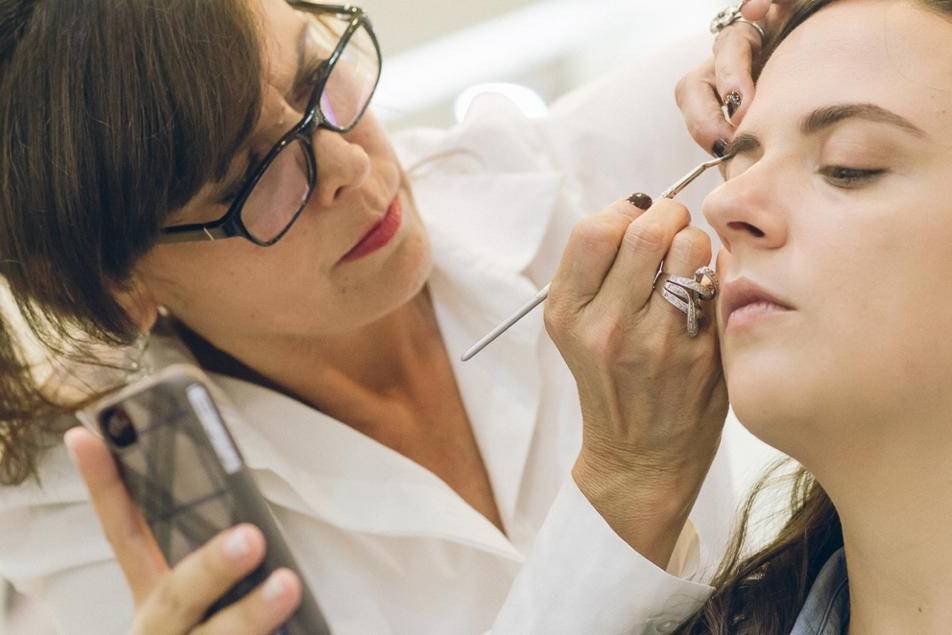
{"type": "Point", "coordinates": [887, 52]}
{"type": "Point", "coordinates": [280, 27]}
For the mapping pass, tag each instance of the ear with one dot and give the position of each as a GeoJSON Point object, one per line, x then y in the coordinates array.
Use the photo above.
{"type": "Point", "coordinates": [139, 302]}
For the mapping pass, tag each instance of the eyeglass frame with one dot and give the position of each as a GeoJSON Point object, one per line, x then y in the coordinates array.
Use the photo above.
{"type": "Point", "coordinates": [231, 225]}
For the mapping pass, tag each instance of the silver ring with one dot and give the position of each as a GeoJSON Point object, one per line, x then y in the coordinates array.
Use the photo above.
{"type": "Point", "coordinates": [685, 294]}
{"type": "Point", "coordinates": [730, 15]}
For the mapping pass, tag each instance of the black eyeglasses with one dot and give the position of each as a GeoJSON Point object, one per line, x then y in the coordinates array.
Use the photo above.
{"type": "Point", "coordinates": [276, 191]}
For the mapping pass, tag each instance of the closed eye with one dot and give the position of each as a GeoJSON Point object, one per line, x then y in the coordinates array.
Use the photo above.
{"type": "Point", "coordinates": [846, 177]}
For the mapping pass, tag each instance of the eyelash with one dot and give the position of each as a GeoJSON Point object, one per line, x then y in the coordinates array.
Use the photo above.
{"type": "Point", "coordinates": [849, 176]}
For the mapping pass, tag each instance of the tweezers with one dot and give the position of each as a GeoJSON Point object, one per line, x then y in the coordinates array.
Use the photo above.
{"type": "Point", "coordinates": [543, 293]}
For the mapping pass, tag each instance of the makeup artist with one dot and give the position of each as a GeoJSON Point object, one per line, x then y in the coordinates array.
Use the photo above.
{"type": "Point", "coordinates": [200, 183]}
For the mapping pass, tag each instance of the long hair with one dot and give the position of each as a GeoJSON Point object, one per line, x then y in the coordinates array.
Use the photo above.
{"type": "Point", "coordinates": [764, 592]}
{"type": "Point", "coordinates": [113, 114]}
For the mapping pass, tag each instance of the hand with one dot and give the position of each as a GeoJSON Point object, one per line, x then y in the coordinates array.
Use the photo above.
{"type": "Point", "coordinates": [701, 93]}
{"type": "Point", "coordinates": [174, 601]}
{"type": "Point", "coordinates": [653, 400]}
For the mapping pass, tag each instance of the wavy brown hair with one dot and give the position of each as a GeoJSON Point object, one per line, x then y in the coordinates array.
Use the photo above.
{"type": "Point", "coordinates": [113, 114]}
{"type": "Point", "coordinates": [765, 591]}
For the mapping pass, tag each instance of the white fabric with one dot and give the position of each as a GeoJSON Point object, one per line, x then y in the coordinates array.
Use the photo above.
{"type": "Point", "coordinates": [387, 546]}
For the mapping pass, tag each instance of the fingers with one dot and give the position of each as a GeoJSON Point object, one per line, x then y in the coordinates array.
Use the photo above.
{"type": "Point", "coordinates": [261, 611]}
{"type": "Point", "coordinates": [755, 9]}
{"type": "Point", "coordinates": [734, 51]}
{"type": "Point", "coordinates": [589, 255]}
{"type": "Point", "coordinates": [200, 579]}
{"type": "Point", "coordinates": [700, 105]}
{"type": "Point", "coordinates": [131, 539]}
{"type": "Point", "coordinates": [646, 241]}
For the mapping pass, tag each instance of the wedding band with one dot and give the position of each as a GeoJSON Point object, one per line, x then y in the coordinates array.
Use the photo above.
{"type": "Point", "coordinates": [730, 15]}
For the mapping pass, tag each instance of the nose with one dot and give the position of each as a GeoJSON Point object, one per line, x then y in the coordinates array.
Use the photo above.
{"type": "Point", "coordinates": [342, 166]}
{"type": "Point", "coordinates": [747, 210]}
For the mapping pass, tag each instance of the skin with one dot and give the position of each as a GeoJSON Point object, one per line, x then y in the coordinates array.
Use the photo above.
{"type": "Point", "coordinates": [360, 342]}
{"type": "Point", "coordinates": [701, 92]}
{"type": "Point", "coordinates": [853, 383]}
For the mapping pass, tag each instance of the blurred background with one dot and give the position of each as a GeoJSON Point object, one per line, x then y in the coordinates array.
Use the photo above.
{"type": "Point", "coordinates": [439, 55]}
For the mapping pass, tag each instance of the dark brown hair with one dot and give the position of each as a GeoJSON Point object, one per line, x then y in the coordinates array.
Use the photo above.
{"type": "Point", "coordinates": [765, 591]}
{"type": "Point", "coordinates": [113, 114]}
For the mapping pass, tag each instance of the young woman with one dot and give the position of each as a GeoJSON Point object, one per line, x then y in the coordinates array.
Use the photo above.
{"type": "Point", "coordinates": [204, 160]}
{"type": "Point", "coordinates": [835, 223]}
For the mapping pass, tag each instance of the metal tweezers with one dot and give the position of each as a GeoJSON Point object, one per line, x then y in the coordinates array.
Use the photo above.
{"type": "Point", "coordinates": [543, 293]}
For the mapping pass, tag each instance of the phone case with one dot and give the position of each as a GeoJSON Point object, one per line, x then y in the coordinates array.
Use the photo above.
{"type": "Point", "coordinates": [187, 476]}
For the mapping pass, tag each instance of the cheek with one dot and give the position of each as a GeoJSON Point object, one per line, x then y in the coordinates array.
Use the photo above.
{"type": "Point", "coordinates": [865, 348]}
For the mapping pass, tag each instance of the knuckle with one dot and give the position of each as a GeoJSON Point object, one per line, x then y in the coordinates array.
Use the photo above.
{"type": "Point", "coordinates": [649, 237]}
{"type": "Point", "coordinates": [169, 599]}
{"type": "Point", "coordinates": [683, 89]}
{"type": "Point", "coordinates": [692, 245]}
{"type": "Point", "coordinates": [553, 316]}
{"type": "Point", "coordinates": [702, 127]}
{"type": "Point", "coordinates": [675, 213]}
{"type": "Point", "coordinates": [588, 231]}
{"type": "Point", "coordinates": [604, 341]}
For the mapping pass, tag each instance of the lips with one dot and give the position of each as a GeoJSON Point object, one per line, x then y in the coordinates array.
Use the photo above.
{"type": "Point", "coordinates": [743, 292]}
{"type": "Point", "coordinates": [380, 234]}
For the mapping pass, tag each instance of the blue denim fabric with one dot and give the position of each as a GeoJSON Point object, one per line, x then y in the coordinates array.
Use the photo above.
{"type": "Point", "coordinates": [827, 608]}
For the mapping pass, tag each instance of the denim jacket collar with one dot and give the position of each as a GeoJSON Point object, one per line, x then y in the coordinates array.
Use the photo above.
{"type": "Point", "coordinates": [827, 608]}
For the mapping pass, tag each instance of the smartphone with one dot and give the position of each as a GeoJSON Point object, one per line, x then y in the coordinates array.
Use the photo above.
{"type": "Point", "coordinates": [184, 471]}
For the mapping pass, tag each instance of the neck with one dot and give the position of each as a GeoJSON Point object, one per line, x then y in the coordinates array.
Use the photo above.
{"type": "Point", "coordinates": [352, 376]}
{"type": "Point", "coordinates": [895, 508]}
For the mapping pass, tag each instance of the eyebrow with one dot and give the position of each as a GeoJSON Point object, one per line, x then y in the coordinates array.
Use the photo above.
{"type": "Point", "coordinates": [827, 117]}
{"type": "Point", "coordinates": [301, 76]}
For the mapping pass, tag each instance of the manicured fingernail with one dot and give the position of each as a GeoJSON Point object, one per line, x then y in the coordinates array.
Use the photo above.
{"type": "Point", "coordinates": [237, 545]}
{"type": "Point", "coordinates": [732, 102]}
{"type": "Point", "coordinates": [276, 586]}
{"type": "Point", "coordinates": [640, 200]}
{"type": "Point", "coordinates": [720, 148]}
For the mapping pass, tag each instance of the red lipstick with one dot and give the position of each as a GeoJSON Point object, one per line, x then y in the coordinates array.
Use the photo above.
{"type": "Point", "coordinates": [380, 234]}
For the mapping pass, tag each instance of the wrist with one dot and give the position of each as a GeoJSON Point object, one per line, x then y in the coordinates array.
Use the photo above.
{"type": "Point", "coordinates": [647, 507]}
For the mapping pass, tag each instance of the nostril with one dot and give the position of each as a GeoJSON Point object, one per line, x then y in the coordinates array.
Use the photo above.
{"type": "Point", "coordinates": [338, 192]}
{"type": "Point", "coordinates": [738, 226]}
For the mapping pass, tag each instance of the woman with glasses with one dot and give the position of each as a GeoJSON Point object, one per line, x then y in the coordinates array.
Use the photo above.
{"type": "Point", "coordinates": [203, 181]}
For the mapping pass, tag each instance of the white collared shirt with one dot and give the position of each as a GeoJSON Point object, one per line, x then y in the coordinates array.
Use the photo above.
{"type": "Point", "coordinates": [386, 546]}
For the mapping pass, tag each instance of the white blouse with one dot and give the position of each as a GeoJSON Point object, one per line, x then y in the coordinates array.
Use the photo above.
{"type": "Point", "coordinates": [386, 546]}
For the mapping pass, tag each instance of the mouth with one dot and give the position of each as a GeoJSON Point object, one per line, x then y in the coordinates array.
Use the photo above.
{"type": "Point", "coordinates": [743, 301]}
{"type": "Point", "coordinates": [380, 234]}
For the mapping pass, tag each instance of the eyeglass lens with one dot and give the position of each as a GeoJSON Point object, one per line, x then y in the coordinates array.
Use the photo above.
{"type": "Point", "coordinates": [283, 189]}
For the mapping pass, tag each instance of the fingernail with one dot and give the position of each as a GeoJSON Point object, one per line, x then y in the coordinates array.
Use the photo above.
{"type": "Point", "coordinates": [732, 102]}
{"type": "Point", "coordinates": [720, 148]}
{"type": "Point", "coordinates": [276, 586]}
{"type": "Point", "coordinates": [237, 545]}
{"type": "Point", "coordinates": [640, 200]}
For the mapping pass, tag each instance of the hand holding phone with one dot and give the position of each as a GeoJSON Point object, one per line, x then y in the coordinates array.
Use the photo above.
{"type": "Point", "coordinates": [159, 455]}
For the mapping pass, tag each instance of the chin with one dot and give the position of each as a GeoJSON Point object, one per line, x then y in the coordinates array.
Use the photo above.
{"type": "Point", "coordinates": [771, 397]}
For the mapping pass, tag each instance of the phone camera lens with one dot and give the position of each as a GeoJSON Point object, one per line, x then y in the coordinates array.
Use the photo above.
{"type": "Point", "coordinates": [118, 427]}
